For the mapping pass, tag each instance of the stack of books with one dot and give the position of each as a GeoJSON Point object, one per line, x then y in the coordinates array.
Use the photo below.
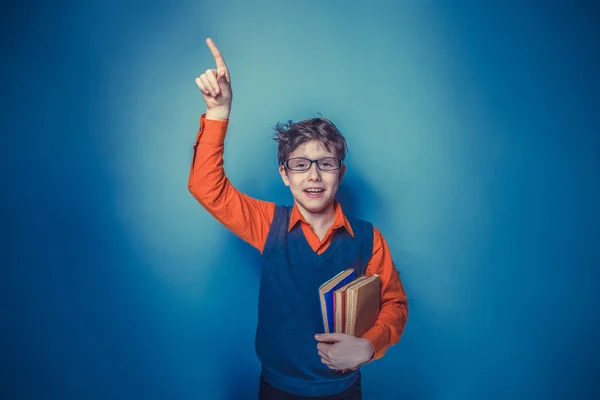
{"type": "Point", "coordinates": [350, 304]}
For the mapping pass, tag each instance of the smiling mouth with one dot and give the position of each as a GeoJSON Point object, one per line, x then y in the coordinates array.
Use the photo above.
{"type": "Point", "coordinates": [314, 194]}
{"type": "Point", "coordinates": [316, 191]}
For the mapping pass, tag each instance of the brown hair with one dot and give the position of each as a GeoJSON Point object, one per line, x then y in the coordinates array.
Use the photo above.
{"type": "Point", "coordinates": [290, 135]}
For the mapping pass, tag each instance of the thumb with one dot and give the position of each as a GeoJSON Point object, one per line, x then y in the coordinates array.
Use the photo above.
{"type": "Point", "coordinates": [329, 337]}
{"type": "Point", "coordinates": [223, 76]}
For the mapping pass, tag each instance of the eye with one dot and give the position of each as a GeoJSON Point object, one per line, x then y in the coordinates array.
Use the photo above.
{"type": "Point", "coordinates": [328, 163]}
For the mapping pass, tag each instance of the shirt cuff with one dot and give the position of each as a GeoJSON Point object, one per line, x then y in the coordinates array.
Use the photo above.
{"type": "Point", "coordinates": [212, 131]}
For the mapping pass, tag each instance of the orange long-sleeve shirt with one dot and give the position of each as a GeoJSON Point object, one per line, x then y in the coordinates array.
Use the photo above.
{"type": "Point", "coordinates": [250, 219]}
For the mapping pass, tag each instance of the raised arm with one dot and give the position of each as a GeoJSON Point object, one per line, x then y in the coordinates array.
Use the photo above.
{"type": "Point", "coordinates": [248, 218]}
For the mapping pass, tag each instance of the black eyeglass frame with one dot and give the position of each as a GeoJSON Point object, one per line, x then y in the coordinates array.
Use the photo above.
{"type": "Point", "coordinates": [286, 164]}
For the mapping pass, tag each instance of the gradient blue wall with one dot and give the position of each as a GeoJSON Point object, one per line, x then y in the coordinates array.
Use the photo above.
{"type": "Point", "coordinates": [474, 139]}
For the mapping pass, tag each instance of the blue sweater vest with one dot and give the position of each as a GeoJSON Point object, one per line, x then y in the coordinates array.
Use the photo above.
{"type": "Point", "coordinates": [289, 309]}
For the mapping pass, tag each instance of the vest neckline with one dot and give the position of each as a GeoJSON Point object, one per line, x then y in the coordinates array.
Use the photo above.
{"type": "Point", "coordinates": [335, 240]}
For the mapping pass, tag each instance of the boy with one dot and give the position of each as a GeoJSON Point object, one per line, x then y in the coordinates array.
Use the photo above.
{"type": "Point", "coordinates": [302, 247]}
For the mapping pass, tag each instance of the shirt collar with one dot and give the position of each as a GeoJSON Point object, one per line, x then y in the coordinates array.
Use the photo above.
{"type": "Point", "coordinates": [340, 218]}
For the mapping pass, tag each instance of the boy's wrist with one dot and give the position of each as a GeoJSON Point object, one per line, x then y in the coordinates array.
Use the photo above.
{"type": "Point", "coordinates": [371, 350]}
{"type": "Point", "coordinates": [217, 115]}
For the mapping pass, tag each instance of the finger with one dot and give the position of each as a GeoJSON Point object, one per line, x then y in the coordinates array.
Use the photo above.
{"type": "Point", "coordinates": [328, 363]}
{"type": "Point", "coordinates": [216, 54]}
{"type": "Point", "coordinates": [330, 337]}
{"type": "Point", "coordinates": [323, 346]}
{"type": "Point", "coordinates": [206, 83]}
{"type": "Point", "coordinates": [211, 75]}
{"type": "Point", "coordinates": [201, 86]}
{"type": "Point", "coordinates": [323, 355]}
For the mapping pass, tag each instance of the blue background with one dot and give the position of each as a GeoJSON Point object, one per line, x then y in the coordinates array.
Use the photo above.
{"type": "Point", "coordinates": [473, 136]}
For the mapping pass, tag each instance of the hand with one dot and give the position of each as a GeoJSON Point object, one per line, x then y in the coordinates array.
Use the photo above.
{"type": "Point", "coordinates": [215, 85]}
{"type": "Point", "coordinates": [344, 352]}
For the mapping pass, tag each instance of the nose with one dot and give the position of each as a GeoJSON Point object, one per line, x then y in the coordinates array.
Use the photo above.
{"type": "Point", "coordinates": [314, 173]}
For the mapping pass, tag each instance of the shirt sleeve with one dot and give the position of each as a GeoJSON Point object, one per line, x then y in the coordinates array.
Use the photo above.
{"type": "Point", "coordinates": [393, 313]}
{"type": "Point", "coordinates": [248, 218]}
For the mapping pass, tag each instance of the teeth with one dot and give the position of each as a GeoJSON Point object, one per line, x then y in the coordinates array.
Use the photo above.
{"type": "Point", "coordinates": [314, 190]}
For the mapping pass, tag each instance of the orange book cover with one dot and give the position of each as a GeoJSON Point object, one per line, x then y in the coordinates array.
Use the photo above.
{"type": "Point", "coordinates": [362, 305]}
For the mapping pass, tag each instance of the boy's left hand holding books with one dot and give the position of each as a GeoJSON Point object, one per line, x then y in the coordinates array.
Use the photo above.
{"type": "Point", "coordinates": [340, 351]}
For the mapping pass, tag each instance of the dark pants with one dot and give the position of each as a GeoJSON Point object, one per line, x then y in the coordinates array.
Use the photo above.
{"type": "Point", "coordinates": [268, 392]}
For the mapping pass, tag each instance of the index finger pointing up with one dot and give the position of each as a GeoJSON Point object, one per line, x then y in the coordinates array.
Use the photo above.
{"type": "Point", "coordinates": [216, 54]}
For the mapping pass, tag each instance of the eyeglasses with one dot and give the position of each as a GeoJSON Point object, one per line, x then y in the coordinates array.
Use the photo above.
{"type": "Point", "coordinates": [304, 164]}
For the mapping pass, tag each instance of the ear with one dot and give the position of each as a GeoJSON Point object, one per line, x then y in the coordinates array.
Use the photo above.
{"type": "Point", "coordinates": [342, 173]}
{"type": "Point", "coordinates": [283, 173]}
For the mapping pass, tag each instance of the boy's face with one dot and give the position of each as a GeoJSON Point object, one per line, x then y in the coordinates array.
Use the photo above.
{"type": "Point", "coordinates": [299, 182]}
